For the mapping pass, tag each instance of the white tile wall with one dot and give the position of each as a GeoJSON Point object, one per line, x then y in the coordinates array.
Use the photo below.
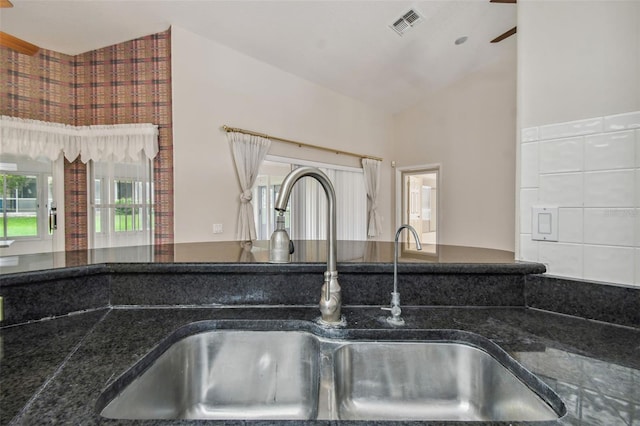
{"type": "Point", "coordinates": [529, 135]}
{"type": "Point", "coordinates": [561, 190]}
{"type": "Point", "coordinates": [615, 227]}
{"type": "Point", "coordinates": [637, 262]}
{"type": "Point", "coordinates": [571, 128]}
{"type": "Point", "coordinates": [637, 185]}
{"type": "Point", "coordinates": [561, 259]}
{"type": "Point", "coordinates": [570, 225]}
{"type": "Point", "coordinates": [590, 170]}
{"type": "Point", "coordinates": [636, 216]}
{"type": "Point", "coordinates": [609, 264]}
{"type": "Point", "coordinates": [561, 155]}
{"type": "Point", "coordinates": [609, 188]}
{"type": "Point", "coordinates": [528, 199]}
{"type": "Point", "coordinates": [529, 165]}
{"type": "Point", "coordinates": [637, 148]}
{"type": "Point", "coordinates": [528, 248]}
{"type": "Point", "coordinates": [610, 151]}
{"type": "Point", "coordinates": [628, 120]}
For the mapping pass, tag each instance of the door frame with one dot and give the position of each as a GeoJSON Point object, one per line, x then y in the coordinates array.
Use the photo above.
{"type": "Point", "coordinates": [399, 187]}
{"type": "Point", "coordinates": [43, 242]}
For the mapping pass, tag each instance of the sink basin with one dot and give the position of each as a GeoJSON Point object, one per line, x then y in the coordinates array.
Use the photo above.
{"type": "Point", "coordinates": [429, 380]}
{"type": "Point", "coordinates": [227, 375]}
{"type": "Point", "coordinates": [210, 370]}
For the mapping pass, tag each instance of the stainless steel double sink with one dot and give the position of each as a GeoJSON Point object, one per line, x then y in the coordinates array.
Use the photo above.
{"type": "Point", "coordinates": [299, 375]}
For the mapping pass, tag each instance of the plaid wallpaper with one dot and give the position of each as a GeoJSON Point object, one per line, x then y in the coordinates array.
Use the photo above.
{"type": "Point", "coordinates": [39, 87]}
{"type": "Point", "coordinates": [131, 83]}
{"type": "Point", "coordinates": [126, 83]}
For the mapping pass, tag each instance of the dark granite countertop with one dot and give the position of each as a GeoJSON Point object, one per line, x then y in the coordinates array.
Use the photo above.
{"type": "Point", "coordinates": [53, 371]}
{"type": "Point", "coordinates": [123, 302]}
{"type": "Point", "coordinates": [350, 254]}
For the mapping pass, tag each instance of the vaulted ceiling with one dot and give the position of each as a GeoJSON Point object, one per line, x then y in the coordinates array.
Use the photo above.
{"type": "Point", "coordinates": [346, 46]}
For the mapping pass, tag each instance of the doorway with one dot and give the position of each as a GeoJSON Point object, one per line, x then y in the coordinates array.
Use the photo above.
{"type": "Point", "coordinates": [31, 204]}
{"type": "Point", "coordinates": [417, 202]}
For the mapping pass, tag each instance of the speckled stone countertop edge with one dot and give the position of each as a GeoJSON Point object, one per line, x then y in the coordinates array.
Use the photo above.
{"type": "Point", "coordinates": [19, 278]}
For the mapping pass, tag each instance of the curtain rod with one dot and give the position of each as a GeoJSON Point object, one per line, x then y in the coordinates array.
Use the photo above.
{"type": "Point", "coordinates": [300, 144]}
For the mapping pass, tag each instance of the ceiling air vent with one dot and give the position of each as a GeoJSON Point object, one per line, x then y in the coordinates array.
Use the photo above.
{"type": "Point", "coordinates": [406, 21]}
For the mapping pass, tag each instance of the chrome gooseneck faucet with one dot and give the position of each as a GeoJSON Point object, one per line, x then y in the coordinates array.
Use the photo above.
{"type": "Point", "coordinates": [395, 318]}
{"type": "Point", "coordinates": [331, 299]}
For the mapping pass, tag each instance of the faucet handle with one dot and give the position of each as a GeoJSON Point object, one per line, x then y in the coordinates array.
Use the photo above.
{"type": "Point", "coordinates": [395, 318]}
{"type": "Point", "coordinates": [395, 310]}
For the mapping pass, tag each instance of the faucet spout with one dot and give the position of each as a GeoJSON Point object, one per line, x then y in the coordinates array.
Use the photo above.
{"type": "Point", "coordinates": [396, 311]}
{"type": "Point", "coordinates": [331, 299]}
{"type": "Point", "coordinates": [395, 252]}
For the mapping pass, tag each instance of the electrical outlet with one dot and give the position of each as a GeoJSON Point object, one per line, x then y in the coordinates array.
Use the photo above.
{"type": "Point", "coordinates": [217, 228]}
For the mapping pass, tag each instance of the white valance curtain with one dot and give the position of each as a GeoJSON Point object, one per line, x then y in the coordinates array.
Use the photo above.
{"type": "Point", "coordinates": [120, 143]}
{"type": "Point", "coordinates": [372, 182]}
{"type": "Point", "coordinates": [248, 153]}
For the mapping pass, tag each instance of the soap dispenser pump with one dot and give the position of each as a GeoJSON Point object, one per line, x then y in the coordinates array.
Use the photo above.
{"type": "Point", "coordinates": [280, 246]}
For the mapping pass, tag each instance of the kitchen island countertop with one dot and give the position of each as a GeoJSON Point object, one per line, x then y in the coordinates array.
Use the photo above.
{"type": "Point", "coordinates": [53, 371]}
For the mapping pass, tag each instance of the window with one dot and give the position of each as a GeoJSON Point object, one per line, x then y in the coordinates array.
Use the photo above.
{"type": "Point", "coordinates": [26, 194]}
{"type": "Point", "coordinates": [121, 208]}
{"type": "Point", "coordinates": [306, 218]}
{"type": "Point", "coordinates": [265, 193]}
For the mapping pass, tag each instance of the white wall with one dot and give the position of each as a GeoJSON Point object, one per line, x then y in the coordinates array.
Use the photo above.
{"type": "Point", "coordinates": [214, 85]}
{"type": "Point", "coordinates": [469, 129]}
{"type": "Point", "coordinates": [579, 74]}
{"type": "Point", "coordinates": [577, 59]}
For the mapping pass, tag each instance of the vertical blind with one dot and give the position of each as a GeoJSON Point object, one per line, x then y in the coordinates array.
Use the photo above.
{"type": "Point", "coordinates": [309, 206]}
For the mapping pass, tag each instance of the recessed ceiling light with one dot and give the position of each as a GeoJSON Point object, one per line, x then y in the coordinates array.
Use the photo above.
{"type": "Point", "coordinates": [461, 40]}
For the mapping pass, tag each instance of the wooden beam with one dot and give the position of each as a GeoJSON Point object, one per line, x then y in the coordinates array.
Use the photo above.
{"type": "Point", "coordinates": [502, 36]}
{"type": "Point", "coordinates": [19, 45]}
{"type": "Point", "coordinates": [5, 3]}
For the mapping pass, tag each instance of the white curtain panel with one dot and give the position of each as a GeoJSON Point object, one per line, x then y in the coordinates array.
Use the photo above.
{"type": "Point", "coordinates": [372, 182]}
{"type": "Point", "coordinates": [248, 153]}
{"type": "Point", "coordinates": [118, 142]}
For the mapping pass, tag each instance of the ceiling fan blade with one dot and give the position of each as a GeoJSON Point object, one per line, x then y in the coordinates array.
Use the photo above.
{"type": "Point", "coordinates": [502, 36]}
{"type": "Point", "coordinates": [19, 45]}
{"type": "Point", "coordinates": [503, 1]}
{"type": "Point", "coordinates": [5, 3]}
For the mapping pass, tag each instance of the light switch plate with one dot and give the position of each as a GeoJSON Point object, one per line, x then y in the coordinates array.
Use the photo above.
{"type": "Point", "coordinates": [544, 223]}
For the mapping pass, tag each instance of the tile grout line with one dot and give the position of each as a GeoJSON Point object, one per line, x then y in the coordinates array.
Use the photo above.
{"type": "Point", "coordinates": [56, 373]}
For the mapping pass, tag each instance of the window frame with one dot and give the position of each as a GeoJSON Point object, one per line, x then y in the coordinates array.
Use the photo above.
{"type": "Point", "coordinates": [42, 180]}
{"type": "Point", "coordinates": [108, 203]}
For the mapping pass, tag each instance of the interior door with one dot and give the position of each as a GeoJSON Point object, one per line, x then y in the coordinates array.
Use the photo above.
{"type": "Point", "coordinates": [414, 204]}
{"type": "Point", "coordinates": [31, 200]}
{"type": "Point", "coordinates": [419, 202]}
